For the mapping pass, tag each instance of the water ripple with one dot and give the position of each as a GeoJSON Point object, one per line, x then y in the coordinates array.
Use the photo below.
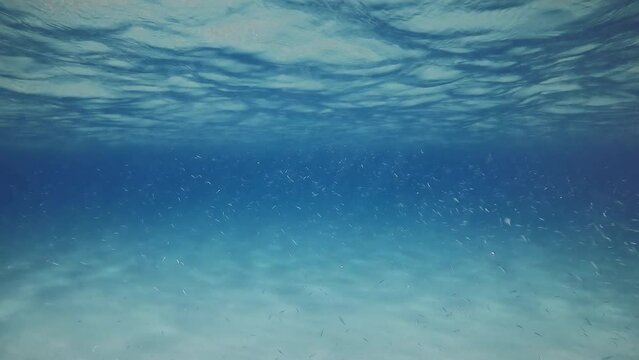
{"type": "Point", "coordinates": [251, 71]}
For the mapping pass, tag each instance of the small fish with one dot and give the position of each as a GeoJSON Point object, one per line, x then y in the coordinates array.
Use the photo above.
{"type": "Point", "coordinates": [342, 321]}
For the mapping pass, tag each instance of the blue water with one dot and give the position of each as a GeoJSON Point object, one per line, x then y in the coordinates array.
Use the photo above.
{"type": "Point", "coordinates": [319, 180]}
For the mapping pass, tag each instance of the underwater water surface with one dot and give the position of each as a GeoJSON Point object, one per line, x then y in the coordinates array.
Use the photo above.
{"type": "Point", "coordinates": [319, 180]}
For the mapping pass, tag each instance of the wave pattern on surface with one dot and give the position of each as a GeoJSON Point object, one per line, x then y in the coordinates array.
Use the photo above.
{"type": "Point", "coordinates": [137, 71]}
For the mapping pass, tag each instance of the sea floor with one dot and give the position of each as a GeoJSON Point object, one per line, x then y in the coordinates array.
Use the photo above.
{"type": "Point", "coordinates": [314, 294]}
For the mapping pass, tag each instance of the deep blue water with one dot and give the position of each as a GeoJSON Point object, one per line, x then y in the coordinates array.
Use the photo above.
{"type": "Point", "coordinates": [434, 186]}
{"type": "Point", "coordinates": [319, 180]}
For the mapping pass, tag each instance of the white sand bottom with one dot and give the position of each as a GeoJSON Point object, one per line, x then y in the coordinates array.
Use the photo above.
{"type": "Point", "coordinates": [313, 298]}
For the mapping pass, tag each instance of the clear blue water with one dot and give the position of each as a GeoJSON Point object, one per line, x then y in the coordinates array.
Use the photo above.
{"type": "Point", "coordinates": [319, 180]}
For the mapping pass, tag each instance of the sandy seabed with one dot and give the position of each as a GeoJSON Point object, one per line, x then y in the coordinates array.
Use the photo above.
{"type": "Point", "coordinates": [308, 297]}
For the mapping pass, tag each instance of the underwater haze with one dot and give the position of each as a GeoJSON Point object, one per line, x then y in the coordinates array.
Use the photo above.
{"type": "Point", "coordinates": [319, 180]}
